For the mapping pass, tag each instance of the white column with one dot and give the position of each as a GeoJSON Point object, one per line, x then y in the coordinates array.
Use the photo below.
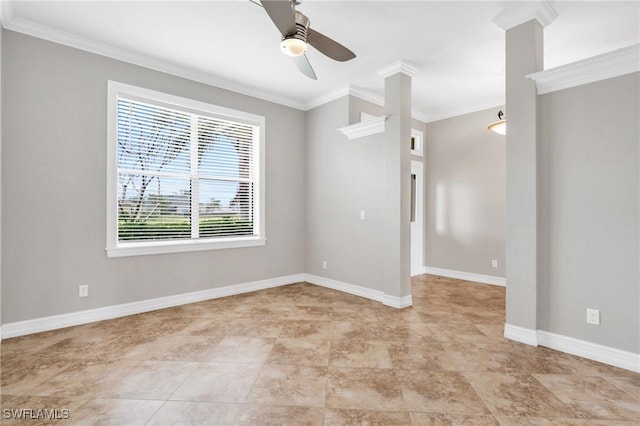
{"type": "Point", "coordinates": [523, 56]}
{"type": "Point", "coordinates": [397, 190]}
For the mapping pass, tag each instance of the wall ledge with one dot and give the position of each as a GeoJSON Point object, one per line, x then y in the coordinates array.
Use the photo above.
{"type": "Point", "coordinates": [602, 67]}
{"type": "Point", "coordinates": [364, 128]}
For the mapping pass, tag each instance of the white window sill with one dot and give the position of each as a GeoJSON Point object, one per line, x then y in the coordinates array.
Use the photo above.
{"type": "Point", "coordinates": [182, 246]}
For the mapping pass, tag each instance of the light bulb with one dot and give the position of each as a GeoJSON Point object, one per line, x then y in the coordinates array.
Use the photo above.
{"type": "Point", "coordinates": [293, 46]}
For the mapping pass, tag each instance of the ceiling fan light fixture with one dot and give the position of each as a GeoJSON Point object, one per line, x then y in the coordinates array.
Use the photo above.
{"type": "Point", "coordinates": [500, 126]}
{"type": "Point", "coordinates": [293, 46]}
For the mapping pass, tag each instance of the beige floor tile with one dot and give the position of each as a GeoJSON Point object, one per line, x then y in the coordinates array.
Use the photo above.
{"type": "Point", "coordinates": [364, 389]}
{"type": "Point", "coordinates": [307, 329]}
{"type": "Point", "coordinates": [410, 356]}
{"type": "Point", "coordinates": [478, 357]}
{"type": "Point", "coordinates": [458, 333]}
{"type": "Point", "coordinates": [39, 410]}
{"type": "Point", "coordinates": [630, 384]}
{"type": "Point", "coordinates": [247, 350]}
{"type": "Point", "coordinates": [218, 382]}
{"type": "Point", "coordinates": [24, 375]}
{"type": "Point", "coordinates": [269, 415]}
{"type": "Point", "coordinates": [300, 351]}
{"type": "Point", "coordinates": [310, 313]}
{"type": "Point", "coordinates": [290, 385]}
{"type": "Point", "coordinates": [441, 392]}
{"type": "Point", "coordinates": [440, 419]}
{"type": "Point", "coordinates": [74, 380]}
{"type": "Point", "coordinates": [592, 397]}
{"type": "Point", "coordinates": [146, 380]}
{"type": "Point", "coordinates": [304, 354]}
{"type": "Point", "coordinates": [125, 412]}
{"type": "Point", "coordinates": [336, 417]}
{"type": "Point", "coordinates": [180, 413]}
{"type": "Point", "coordinates": [515, 395]}
{"type": "Point", "coordinates": [541, 360]}
{"type": "Point", "coordinates": [360, 354]}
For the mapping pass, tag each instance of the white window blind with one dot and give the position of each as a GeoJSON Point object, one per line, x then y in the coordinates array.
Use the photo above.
{"type": "Point", "coordinates": [184, 173]}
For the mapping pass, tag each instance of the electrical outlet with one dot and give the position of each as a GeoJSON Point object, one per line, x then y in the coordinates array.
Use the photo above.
{"type": "Point", "coordinates": [494, 263]}
{"type": "Point", "coordinates": [593, 316]}
{"type": "Point", "coordinates": [324, 264]}
{"type": "Point", "coordinates": [363, 214]}
{"type": "Point", "coordinates": [83, 290]}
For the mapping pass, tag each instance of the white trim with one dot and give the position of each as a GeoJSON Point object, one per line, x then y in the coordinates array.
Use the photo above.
{"type": "Point", "coordinates": [593, 351]}
{"type": "Point", "coordinates": [37, 325]}
{"type": "Point", "coordinates": [364, 128]}
{"type": "Point", "coordinates": [181, 246]}
{"type": "Point", "coordinates": [399, 66]}
{"type": "Point", "coordinates": [608, 65]}
{"type": "Point", "coordinates": [397, 302]}
{"type": "Point", "coordinates": [521, 334]}
{"type": "Point", "coordinates": [356, 290]}
{"type": "Point", "coordinates": [523, 12]}
{"type": "Point", "coordinates": [467, 276]}
{"type": "Point", "coordinates": [464, 110]}
{"type": "Point", "coordinates": [365, 95]}
{"type": "Point", "coordinates": [47, 33]}
{"type": "Point", "coordinates": [327, 97]}
{"type": "Point", "coordinates": [358, 92]}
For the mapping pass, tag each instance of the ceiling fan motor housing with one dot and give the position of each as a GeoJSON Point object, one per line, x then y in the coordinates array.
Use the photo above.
{"type": "Point", "coordinates": [295, 44]}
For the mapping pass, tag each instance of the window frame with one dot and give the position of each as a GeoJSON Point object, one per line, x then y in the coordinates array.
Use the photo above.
{"type": "Point", "coordinates": [116, 248]}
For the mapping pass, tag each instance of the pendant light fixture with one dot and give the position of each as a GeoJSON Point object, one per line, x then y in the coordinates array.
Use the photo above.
{"type": "Point", "coordinates": [500, 126]}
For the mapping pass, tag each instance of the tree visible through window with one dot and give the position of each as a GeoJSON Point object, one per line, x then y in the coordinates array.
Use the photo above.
{"type": "Point", "coordinates": [182, 174]}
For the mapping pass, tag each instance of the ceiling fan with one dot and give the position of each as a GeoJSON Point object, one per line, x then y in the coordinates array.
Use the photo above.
{"type": "Point", "coordinates": [297, 34]}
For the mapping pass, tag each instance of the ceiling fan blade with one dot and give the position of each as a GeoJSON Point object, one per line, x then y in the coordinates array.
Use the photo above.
{"type": "Point", "coordinates": [304, 66]}
{"type": "Point", "coordinates": [329, 47]}
{"type": "Point", "coordinates": [281, 14]}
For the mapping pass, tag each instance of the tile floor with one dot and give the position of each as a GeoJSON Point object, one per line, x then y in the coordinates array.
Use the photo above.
{"type": "Point", "coordinates": [306, 355]}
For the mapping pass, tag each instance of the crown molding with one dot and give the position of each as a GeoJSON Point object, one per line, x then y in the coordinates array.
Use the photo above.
{"type": "Point", "coordinates": [364, 128]}
{"type": "Point", "coordinates": [363, 94]}
{"type": "Point", "coordinates": [400, 66]}
{"type": "Point", "coordinates": [522, 12]}
{"type": "Point", "coordinates": [103, 49]}
{"type": "Point", "coordinates": [326, 98]}
{"type": "Point", "coordinates": [602, 67]}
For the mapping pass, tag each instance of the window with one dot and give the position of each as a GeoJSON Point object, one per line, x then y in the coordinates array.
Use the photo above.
{"type": "Point", "coordinates": [183, 175]}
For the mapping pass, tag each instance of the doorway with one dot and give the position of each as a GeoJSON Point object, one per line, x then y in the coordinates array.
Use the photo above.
{"type": "Point", "coordinates": [417, 222]}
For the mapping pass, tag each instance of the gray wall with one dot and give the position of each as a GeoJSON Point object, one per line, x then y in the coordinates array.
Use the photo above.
{"type": "Point", "coordinates": [465, 194]}
{"type": "Point", "coordinates": [53, 198]}
{"type": "Point", "coordinates": [589, 212]}
{"type": "Point", "coordinates": [0, 181]}
{"type": "Point", "coordinates": [343, 177]}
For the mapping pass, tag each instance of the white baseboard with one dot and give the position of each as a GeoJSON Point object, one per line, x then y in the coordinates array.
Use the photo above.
{"type": "Point", "coordinates": [593, 351]}
{"type": "Point", "coordinates": [37, 325]}
{"type": "Point", "coordinates": [377, 295]}
{"type": "Point", "coordinates": [356, 290]}
{"type": "Point", "coordinates": [605, 354]}
{"type": "Point", "coordinates": [521, 334]}
{"type": "Point", "coordinates": [467, 276]}
{"type": "Point", "coordinates": [397, 302]}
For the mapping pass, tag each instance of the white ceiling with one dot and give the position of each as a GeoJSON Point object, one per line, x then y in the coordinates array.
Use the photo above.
{"type": "Point", "coordinates": [233, 44]}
